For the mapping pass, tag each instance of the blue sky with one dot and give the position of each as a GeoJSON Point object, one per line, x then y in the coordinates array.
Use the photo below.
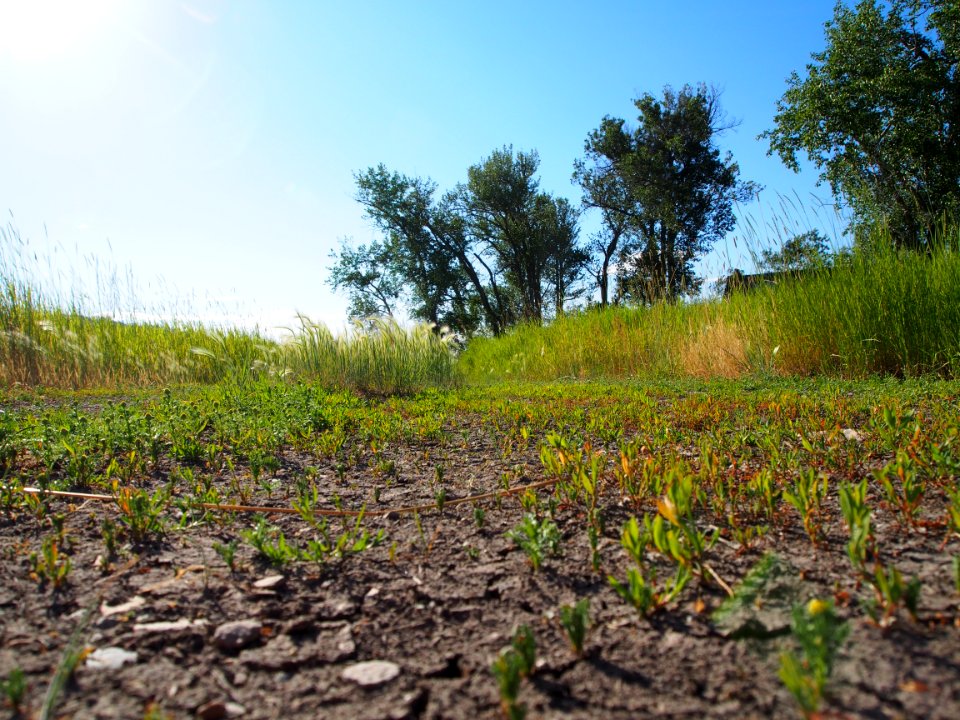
{"type": "Point", "coordinates": [212, 143]}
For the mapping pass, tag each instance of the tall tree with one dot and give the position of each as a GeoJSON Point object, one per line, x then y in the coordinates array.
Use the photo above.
{"type": "Point", "coordinates": [566, 261]}
{"type": "Point", "coordinates": [369, 276]}
{"type": "Point", "coordinates": [666, 187]}
{"type": "Point", "coordinates": [526, 232]}
{"type": "Point", "coordinates": [879, 113]}
{"type": "Point", "coordinates": [429, 249]}
{"type": "Point", "coordinates": [480, 256]}
{"type": "Point", "coordinates": [801, 252]}
{"type": "Point", "coordinates": [604, 190]}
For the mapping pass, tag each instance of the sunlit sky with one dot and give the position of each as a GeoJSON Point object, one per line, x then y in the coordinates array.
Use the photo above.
{"type": "Point", "coordinates": [207, 148]}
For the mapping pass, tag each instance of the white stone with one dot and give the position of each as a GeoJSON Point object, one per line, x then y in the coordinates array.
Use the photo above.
{"type": "Point", "coordinates": [371, 673]}
{"type": "Point", "coordinates": [110, 658]}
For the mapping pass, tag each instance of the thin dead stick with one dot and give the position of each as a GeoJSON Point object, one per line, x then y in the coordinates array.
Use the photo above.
{"type": "Point", "coordinates": [267, 510]}
{"type": "Point", "coordinates": [719, 579]}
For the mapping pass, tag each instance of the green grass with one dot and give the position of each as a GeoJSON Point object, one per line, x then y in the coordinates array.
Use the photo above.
{"type": "Point", "coordinates": [880, 312]}
{"type": "Point", "coordinates": [883, 312]}
{"type": "Point", "coordinates": [51, 339]}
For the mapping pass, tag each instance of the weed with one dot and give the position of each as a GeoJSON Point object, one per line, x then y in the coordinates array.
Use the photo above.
{"type": "Point", "coordinates": [575, 619]}
{"type": "Point", "coordinates": [140, 511]}
{"type": "Point", "coordinates": [479, 516]}
{"type": "Point", "coordinates": [807, 495]}
{"type": "Point", "coordinates": [536, 538]}
{"type": "Point", "coordinates": [227, 553]}
{"type": "Point", "coordinates": [820, 634]}
{"type": "Point", "coordinates": [525, 646]}
{"type": "Point", "coordinates": [50, 565]}
{"type": "Point", "coordinates": [891, 593]}
{"type": "Point", "coordinates": [271, 544]}
{"type": "Point", "coordinates": [674, 532]}
{"type": "Point", "coordinates": [909, 491]}
{"type": "Point", "coordinates": [507, 669]}
{"type": "Point", "coordinates": [14, 689]}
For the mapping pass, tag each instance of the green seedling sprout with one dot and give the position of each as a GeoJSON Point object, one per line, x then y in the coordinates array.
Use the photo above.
{"type": "Point", "coordinates": [50, 565]}
{"type": "Point", "coordinates": [575, 619]}
{"type": "Point", "coordinates": [536, 538]}
{"type": "Point", "coordinates": [14, 690]}
{"type": "Point", "coordinates": [807, 495]}
{"type": "Point", "coordinates": [820, 634]}
{"type": "Point", "coordinates": [227, 553]}
{"type": "Point", "coordinates": [525, 646]}
{"type": "Point", "coordinates": [909, 490]}
{"type": "Point", "coordinates": [507, 671]}
{"type": "Point", "coordinates": [140, 511]}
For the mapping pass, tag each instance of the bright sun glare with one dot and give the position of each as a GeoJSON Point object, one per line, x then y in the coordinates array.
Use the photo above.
{"type": "Point", "coordinates": [43, 30]}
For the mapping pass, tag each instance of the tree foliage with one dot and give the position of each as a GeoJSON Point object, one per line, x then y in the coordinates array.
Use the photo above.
{"type": "Point", "coordinates": [665, 190]}
{"type": "Point", "coordinates": [489, 252]}
{"type": "Point", "coordinates": [801, 252]}
{"type": "Point", "coordinates": [878, 113]}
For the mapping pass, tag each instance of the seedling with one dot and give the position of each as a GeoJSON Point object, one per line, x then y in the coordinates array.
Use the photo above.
{"type": "Point", "coordinates": [140, 511]}
{"type": "Point", "coordinates": [575, 619]}
{"type": "Point", "coordinates": [907, 495]}
{"type": "Point", "coordinates": [108, 531]}
{"type": "Point", "coordinates": [820, 635]}
{"type": "Point", "coordinates": [807, 496]}
{"type": "Point", "coordinates": [643, 594]}
{"type": "Point", "coordinates": [227, 553]}
{"type": "Point", "coordinates": [507, 669]}
{"type": "Point", "coordinates": [892, 593]}
{"type": "Point", "coordinates": [50, 565]}
{"type": "Point", "coordinates": [276, 551]}
{"type": "Point", "coordinates": [536, 538]}
{"type": "Point", "coordinates": [674, 531]}
{"type": "Point", "coordinates": [440, 498]}
{"type": "Point", "coordinates": [14, 690]}
{"type": "Point", "coordinates": [525, 646]}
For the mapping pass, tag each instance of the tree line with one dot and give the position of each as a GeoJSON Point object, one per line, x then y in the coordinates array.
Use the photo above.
{"type": "Point", "coordinates": [877, 112]}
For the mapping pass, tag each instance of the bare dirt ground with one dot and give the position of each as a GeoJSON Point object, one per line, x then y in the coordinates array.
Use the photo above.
{"type": "Point", "coordinates": [437, 600]}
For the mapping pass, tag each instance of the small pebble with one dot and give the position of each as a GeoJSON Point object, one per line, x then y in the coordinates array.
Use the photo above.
{"type": "Point", "coordinates": [237, 635]}
{"type": "Point", "coordinates": [371, 673]}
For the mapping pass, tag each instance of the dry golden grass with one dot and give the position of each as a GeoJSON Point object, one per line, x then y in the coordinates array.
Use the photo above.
{"type": "Point", "coordinates": [717, 349]}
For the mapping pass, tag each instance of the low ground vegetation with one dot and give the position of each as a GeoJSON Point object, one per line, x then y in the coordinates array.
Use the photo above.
{"type": "Point", "coordinates": [721, 549]}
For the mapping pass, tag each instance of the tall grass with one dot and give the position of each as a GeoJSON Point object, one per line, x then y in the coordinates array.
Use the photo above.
{"type": "Point", "coordinates": [874, 312]}
{"type": "Point", "coordinates": [381, 357]}
{"type": "Point", "coordinates": [61, 338]}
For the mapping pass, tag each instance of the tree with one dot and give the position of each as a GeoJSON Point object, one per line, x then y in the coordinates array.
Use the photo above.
{"type": "Point", "coordinates": [531, 238]}
{"type": "Point", "coordinates": [666, 191]}
{"type": "Point", "coordinates": [878, 114]}
{"type": "Point", "coordinates": [801, 252]}
{"type": "Point", "coordinates": [369, 277]}
{"type": "Point", "coordinates": [480, 256]}
{"type": "Point", "coordinates": [606, 191]}
{"type": "Point", "coordinates": [428, 250]}
{"type": "Point", "coordinates": [566, 260]}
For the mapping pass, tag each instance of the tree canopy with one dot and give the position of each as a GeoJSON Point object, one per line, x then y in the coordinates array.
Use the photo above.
{"type": "Point", "coordinates": [877, 112]}
{"type": "Point", "coordinates": [665, 191]}
{"type": "Point", "coordinates": [482, 256]}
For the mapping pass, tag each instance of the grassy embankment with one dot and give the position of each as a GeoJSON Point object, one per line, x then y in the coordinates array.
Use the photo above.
{"type": "Point", "coordinates": [51, 340]}
{"type": "Point", "coordinates": [880, 313]}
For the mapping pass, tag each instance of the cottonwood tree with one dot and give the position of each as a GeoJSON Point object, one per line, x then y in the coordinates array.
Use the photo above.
{"type": "Point", "coordinates": [878, 112]}
{"type": "Point", "coordinates": [606, 191]}
{"type": "Point", "coordinates": [530, 237]}
{"type": "Point", "coordinates": [666, 191]}
{"type": "Point", "coordinates": [369, 276]}
{"type": "Point", "coordinates": [488, 253]}
{"type": "Point", "coordinates": [801, 252]}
